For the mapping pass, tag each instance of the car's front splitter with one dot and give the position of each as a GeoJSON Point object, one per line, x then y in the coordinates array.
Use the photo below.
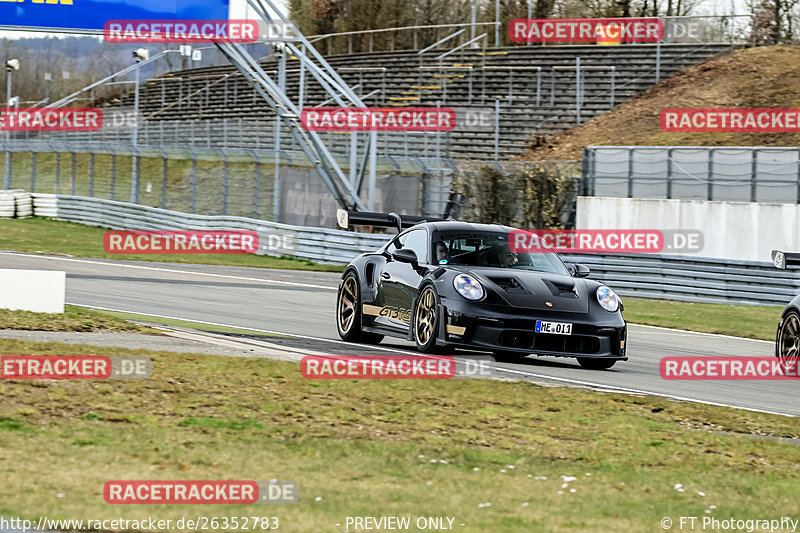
{"type": "Point", "coordinates": [488, 328]}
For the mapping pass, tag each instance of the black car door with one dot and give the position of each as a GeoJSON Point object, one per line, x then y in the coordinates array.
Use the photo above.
{"type": "Point", "coordinates": [399, 281]}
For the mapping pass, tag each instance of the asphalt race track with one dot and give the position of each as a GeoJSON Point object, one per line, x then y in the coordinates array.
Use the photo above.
{"type": "Point", "coordinates": [301, 305]}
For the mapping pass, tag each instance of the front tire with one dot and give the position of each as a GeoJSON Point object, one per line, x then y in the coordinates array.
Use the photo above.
{"type": "Point", "coordinates": [348, 312]}
{"type": "Point", "coordinates": [787, 343]}
{"type": "Point", "coordinates": [426, 320]}
{"type": "Point", "coordinates": [596, 364]}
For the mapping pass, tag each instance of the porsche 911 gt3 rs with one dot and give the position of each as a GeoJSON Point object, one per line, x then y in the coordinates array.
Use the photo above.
{"type": "Point", "coordinates": [450, 284]}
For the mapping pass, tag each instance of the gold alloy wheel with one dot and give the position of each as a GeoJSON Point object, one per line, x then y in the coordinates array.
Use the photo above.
{"type": "Point", "coordinates": [346, 307]}
{"type": "Point", "coordinates": [425, 317]}
{"type": "Point", "coordinates": [789, 338]}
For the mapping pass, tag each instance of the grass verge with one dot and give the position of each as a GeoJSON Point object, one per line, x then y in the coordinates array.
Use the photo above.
{"type": "Point", "coordinates": [750, 321]}
{"type": "Point", "coordinates": [56, 237]}
{"type": "Point", "coordinates": [416, 448]}
{"type": "Point", "coordinates": [74, 318]}
{"type": "Point", "coordinates": [185, 324]}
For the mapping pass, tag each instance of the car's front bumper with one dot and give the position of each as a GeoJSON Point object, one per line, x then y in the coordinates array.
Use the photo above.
{"type": "Point", "coordinates": [492, 327]}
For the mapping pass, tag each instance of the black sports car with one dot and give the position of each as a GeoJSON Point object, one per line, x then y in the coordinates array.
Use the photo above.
{"type": "Point", "coordinates": [787, 338]}
{"type": "Point", "coordinates": [456, 284]}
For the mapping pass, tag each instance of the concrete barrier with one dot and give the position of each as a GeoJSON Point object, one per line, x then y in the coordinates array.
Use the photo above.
{"type": "Point", "coordinates": [745, 231]}
{"type": "Point", "coordinates": [41, 291]}
{"type": "Point", "coordinates": [15, 203]}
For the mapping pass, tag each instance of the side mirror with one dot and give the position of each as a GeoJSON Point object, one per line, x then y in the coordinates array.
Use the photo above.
{"type": "Point", "coordinates": [405, 255]}
{"type": "Point", "coordinates": [577, 270]}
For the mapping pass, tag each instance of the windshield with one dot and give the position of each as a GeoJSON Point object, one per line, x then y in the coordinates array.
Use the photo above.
{"type": "Point", "coordinates": [491, 250]}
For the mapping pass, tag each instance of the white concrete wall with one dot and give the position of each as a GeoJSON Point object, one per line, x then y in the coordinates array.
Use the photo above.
{"type": "Point", "coordinates": [731, 230]}
{"type": "Point", "coordinates": [42, 291]}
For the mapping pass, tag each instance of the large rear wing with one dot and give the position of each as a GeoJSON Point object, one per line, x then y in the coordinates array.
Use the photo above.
{"type": "Point", "coordinates": [347, 219]}
{"type": "Point", "coordinates": [784, 260]}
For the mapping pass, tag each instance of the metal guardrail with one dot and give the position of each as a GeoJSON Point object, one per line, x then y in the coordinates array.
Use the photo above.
{"type": "Point", "coordinates": [315, 244]}
{"type": "Point", "coordinates": [671, 277]}
{"type": "Point", "coordinates": [692, 279]}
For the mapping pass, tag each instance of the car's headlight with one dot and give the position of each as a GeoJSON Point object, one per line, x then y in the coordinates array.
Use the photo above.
{"type": "Point", "coordinates": [607, 299]}
{"type": "Point", "coordinates": [468, 287]}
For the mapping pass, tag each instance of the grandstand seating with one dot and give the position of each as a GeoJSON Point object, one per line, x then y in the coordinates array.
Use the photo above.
{"type": "Point", "coordinates": [220, 92]}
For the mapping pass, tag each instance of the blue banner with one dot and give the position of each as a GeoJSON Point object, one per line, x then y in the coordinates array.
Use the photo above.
{"type": "Point", "coordinates": [92, 14]}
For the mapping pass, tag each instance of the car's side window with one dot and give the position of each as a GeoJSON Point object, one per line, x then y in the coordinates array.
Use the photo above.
{"type": "Point", "coordinates": [396, 244]}
{"type": "Point", "coordinates": [417, 240]}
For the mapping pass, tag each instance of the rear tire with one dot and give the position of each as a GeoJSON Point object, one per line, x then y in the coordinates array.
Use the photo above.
{"type": "Point", "coordinates": [348, 312]}
{"type": "Point", "coordinates": [596, 364]}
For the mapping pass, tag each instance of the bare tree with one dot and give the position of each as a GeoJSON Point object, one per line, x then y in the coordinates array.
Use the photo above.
{"type": "Point", "coordinates": [772, 20]}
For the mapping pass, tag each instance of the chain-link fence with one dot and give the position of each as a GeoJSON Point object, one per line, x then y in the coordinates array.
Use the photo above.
{"type": "Point", "coordinates": [245, 183]}
{"type": "Point", "coordinates": [744, 174]}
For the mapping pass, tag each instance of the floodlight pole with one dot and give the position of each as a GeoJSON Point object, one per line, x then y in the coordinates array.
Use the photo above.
{"type": "Point", "coordinates": [135, 139]}
{"type": "Point", "coordinates": [276, 188]}
{"type": "Point", "coordinates": [530, 14]}
{"type": "Point", "coordinates": [497, 23]}
{"type": "Point", "coordinates": [7, 177]}
{"type": "Point", "coordinates": [474, 18]}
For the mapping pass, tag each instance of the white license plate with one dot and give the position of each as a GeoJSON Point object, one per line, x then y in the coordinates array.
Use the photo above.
{"type": "Point", "coordinates": [557, 328]}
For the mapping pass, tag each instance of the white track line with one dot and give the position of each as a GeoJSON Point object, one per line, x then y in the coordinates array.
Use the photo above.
{"type": "Point", "coordinates": [648, 393]}
{"type": "Point", "coordinates": [273, 281]}
{"type": "Point", "coordinates": [295, 335]}
{"type": "Point", "coordinates": [687, 332]}
{"type": "Point", "coordinates": [591, 384]}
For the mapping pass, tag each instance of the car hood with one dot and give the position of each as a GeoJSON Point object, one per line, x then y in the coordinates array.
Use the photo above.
{"type": "Point", "coordinates": [527, 289]}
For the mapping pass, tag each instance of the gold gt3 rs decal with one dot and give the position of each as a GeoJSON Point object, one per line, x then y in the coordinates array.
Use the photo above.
{"type": "Point", "coordinates": [403, 315]}
{"type": "Point", "coordinates": [388, 311]}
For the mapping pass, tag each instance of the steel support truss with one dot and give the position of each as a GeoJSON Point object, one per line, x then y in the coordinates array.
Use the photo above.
{"type": "Point", "coordinates": [288, 37]}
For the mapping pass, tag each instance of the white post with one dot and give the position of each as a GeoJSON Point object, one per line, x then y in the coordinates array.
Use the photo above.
{"type": "Point", "coordinates": [578, 89]}
{"type": "Point", "coordinates": [353, 157]}
{"type": "Point", "coordinates": [373, 161]}
{"type": "Point", "coordinates": [134, 141]}
{"type": "Point", "coordinates": [496, 129]}
{"type": "Point", "coordinates": [7, 180]}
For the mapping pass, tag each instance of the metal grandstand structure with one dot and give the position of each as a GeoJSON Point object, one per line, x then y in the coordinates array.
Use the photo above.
{"type": "Point", "coordinates": [287, 38]}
